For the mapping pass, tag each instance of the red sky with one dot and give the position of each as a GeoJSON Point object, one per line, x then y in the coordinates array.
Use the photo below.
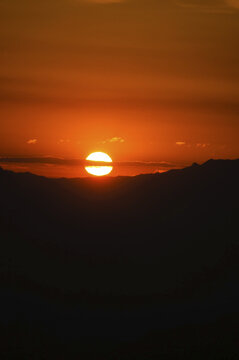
{"type": "Point", "coordinates": [143, 80]}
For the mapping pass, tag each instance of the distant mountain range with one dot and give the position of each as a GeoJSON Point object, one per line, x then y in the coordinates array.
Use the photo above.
{"type": "Point", "coordinates": [119, 262]}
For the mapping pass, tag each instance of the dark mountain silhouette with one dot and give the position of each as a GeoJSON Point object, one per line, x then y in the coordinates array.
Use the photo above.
{"type": "Point", "coordinates": [143, 267]}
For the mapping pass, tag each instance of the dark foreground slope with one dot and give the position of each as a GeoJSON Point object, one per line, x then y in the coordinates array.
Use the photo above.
{"type": "Point", "coordinates": [121, 268]}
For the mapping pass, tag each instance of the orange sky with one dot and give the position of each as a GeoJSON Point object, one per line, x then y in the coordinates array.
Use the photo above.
{"type": "Point", "coordinates": [143, 80]}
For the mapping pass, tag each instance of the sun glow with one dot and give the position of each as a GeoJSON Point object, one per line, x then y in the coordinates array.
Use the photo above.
{"type": "Point", "coordinates": [99, 170]}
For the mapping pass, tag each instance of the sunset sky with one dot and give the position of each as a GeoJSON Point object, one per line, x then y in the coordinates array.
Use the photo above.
{"type": "Point", "coordinates": [149, 82]}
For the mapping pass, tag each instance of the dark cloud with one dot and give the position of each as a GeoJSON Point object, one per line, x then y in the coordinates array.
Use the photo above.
{"type": "Point", "coordinates": [79, 162]}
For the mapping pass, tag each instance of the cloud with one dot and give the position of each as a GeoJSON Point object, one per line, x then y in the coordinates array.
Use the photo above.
{"type": "Point", "coordinates": [32, 141]}
{"type": "Point", "coordinates": [100, 1]}
{"type": "Point", "coordinates": [197, 145]}
{"type": "Point", "coordinates": [233, 3]}
{"type": "Point", "coordinates": [159, 171]}
{"type": "Point", "coordinates": [209, 7]}
{"type": "Point", "coordinates": [203, 145]}
{"type": "Point", "coordinates": [115, 139]}
{"type": "Point", "coordinates": [63, 141]}
{"type": "Point", "coordinates": [180, 143]}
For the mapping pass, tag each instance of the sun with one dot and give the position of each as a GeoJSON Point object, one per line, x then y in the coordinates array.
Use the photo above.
{"type": "Point", "coordinates": [102, 169]}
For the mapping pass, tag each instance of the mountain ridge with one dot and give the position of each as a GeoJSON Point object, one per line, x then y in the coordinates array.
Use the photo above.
{"type": "Point", "coordinates": [107, 258]}
{"type": "Point", "coordinates": [209, 162]}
